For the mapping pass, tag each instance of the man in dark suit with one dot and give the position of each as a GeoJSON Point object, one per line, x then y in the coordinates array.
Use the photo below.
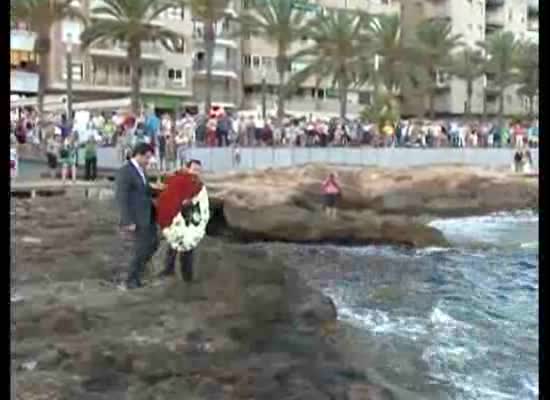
{"type": "Point", "coordinates": [137, 213]}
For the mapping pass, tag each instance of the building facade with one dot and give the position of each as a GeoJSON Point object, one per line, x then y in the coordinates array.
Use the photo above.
{"type": "Point", "coordinates": [475, 20]}
{"type": "Point", "coordinates": [244, 68]}
{"type": "Point", "coordinates": [172, 80]}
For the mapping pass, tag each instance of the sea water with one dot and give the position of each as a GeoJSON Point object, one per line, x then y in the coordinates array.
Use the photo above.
{"type": "Point", "coordinates": [442, 323]}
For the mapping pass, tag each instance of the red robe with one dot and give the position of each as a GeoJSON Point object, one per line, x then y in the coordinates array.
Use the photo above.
{"type": "Point", "coordinates": [179, 187]}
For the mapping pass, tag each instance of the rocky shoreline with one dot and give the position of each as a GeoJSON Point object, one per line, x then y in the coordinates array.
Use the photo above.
{"type": "Point", "coordinates": [250, 328]}
{"type": "Point", "coordinates": [377, 205]}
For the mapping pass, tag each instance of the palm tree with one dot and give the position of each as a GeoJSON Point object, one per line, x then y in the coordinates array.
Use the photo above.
{"type": "Point", "coordinates": [40, 16]}
{"type": "Point", "coordinates": [434, 44]}
{"type": "Point", "coordinates": [502, 50]}
{"type": "Point", "coordinates": [340, 51]}
{"type": "Point", "coordinates": [468, 65]}
{"type": "Point", "coordinates": [280, 23]}
{"type": "Point", "coordinates": [396, 70]}
{"type": "Point", "coordinates": [209, 12]}
{"type": "Point", "coordinates": [528, 77]}
{"type": "Point", "coordinates": [387, 42]}
{"type": "Point", "coordinates": [131, 22]}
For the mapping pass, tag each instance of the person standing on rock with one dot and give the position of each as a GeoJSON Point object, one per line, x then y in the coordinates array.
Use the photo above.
{"type": "Point", "coordinates": [137, 213]}
{"type": "Point", "coordinates": [183, 213]}
{"type": "Point", "coordinates": [331, 191]}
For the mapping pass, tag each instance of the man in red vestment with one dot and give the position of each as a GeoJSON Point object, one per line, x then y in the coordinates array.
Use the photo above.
{"type": "Point", "coordinates": [180, 189]}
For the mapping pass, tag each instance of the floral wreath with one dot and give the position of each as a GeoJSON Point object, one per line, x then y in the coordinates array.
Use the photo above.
{"type": "Point", "coordinates": [189, 226]}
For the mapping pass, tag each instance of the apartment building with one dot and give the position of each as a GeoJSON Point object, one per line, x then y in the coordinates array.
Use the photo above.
{"type": "Point", "coordinates": [258, 63]}
{"type": "Point", "coordinates": [474, 20]}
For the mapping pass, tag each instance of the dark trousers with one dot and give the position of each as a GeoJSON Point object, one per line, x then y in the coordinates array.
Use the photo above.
{"type": "Point", "coordinates": [186, 263]}
{"type": "Point", "coordinates": [91, 169]}
{"type": "Point", "coordinates": [143, 244]}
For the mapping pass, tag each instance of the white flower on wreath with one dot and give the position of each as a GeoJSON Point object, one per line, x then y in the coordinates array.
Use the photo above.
{"type": "Point", "coordinates": [184, 235]}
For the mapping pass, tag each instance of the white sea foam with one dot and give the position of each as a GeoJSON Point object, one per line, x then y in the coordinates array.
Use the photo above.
{"type": "Point", "coordinates": [530, 245]}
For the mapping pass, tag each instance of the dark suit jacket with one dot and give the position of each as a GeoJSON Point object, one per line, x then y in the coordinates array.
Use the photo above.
{"type": "Point", "coordinates": [134, 198]}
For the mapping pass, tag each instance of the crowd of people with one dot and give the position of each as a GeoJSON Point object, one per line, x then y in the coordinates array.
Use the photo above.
{"type": "Point", "coordinates": [172, 135]}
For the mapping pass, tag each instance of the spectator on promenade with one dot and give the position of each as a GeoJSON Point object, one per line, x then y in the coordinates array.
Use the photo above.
{"type": "Point", "coordinates": [463, 132]}
{"type": "Point", "coordinates": [504, 135]}
{"type": "Point", "coordinates": [211, 131]}
{"type": "Point", "coordinates": [90, 159]}
{"type": "Point", "coordinates": [161, 150]}
{"type": "Point", "coordinates": [388, 131]}
{"type": "Point", "coordinates": [331, 192]}
{"type": "Point", "coordinates": [181, 142]}
{"type": "Point", "coordinates": [152, 126]}
{"type": "Point", "coordinates": [67, 158]}
{"type": "Point", "coordinates": [519, 134]}
{"type": "Point", "coordinates": [250, 131]}
{"type": "Point", "coordinates": [267, 135]}
{"type": "Point", "coordinates": [171, 156]}
{"type": "Point", "coordinates": [223, 129]}
{"type": "Point", "coordinates": [533, 134]}
{"type": "Point", "coordinates": [53, 148]}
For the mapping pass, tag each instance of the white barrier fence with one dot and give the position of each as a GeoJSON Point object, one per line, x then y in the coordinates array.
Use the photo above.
{"type": "Point", "coordinates": [223, 159]}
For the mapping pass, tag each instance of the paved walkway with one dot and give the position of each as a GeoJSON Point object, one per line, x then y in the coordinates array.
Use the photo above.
{"type": "Point", "coordinates": [51, 184]}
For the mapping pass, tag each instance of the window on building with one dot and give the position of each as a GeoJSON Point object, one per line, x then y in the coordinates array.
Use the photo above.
{"type": "Point", "coordinates": [267, 62]}
{"type": "Point", "coordinates": [256, 61]}
{"type": "Point", "coordinates": [180, 46]}
{"type": "Point", "coordinates": [174, 13]}
{"type": "Point", "coordinates": [247, 60]}
{"type": "Point", "coordinates": [20, 58]}
{"type": "Point", "coordinates": [176, 76]}
{"type": "Point", "coordinates": [364, 98]}
{"type": "Point", "coordinates": [77, 72]}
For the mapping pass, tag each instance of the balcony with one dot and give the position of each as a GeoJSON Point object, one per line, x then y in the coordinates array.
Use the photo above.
{"type": "Point", "coordinates": [226, 69]}
{"type": "Point", "coordinates": [149, 51]}
{"type": "Point", "coordinates": [116, 84]}
{"type": "Point", "coordinates": [439, 10]}
{"type": "Point", "coordinates": [224, 38]}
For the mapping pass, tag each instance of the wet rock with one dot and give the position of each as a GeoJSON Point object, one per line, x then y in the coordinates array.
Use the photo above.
{"type": "Point", "coordinates": [368, 392]}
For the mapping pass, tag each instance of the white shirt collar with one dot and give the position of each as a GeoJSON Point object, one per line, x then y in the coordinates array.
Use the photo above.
{"type": "Point", "coordinates": [139, 169]}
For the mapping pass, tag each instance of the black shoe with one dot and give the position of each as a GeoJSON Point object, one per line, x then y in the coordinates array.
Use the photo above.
{"type": "Point", "coordinates": [166, 274]}
{"type": "Point", "coordinates": [133, 285]}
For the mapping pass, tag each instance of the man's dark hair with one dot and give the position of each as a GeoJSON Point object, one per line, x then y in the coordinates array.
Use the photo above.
{"type": "Point", "coordinates": [141, 149]}
{"type": "Point", "coordinates": [193, 161]}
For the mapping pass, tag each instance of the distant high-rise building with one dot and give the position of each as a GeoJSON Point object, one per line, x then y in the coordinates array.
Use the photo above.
{"type": "Point", "coordinates": [475, 20]}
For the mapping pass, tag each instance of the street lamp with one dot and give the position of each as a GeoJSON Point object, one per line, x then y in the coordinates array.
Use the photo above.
{"type": "Point", "coordinates": [264, 94]}
{"type": "Point", "coordinates": [69, 66]}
